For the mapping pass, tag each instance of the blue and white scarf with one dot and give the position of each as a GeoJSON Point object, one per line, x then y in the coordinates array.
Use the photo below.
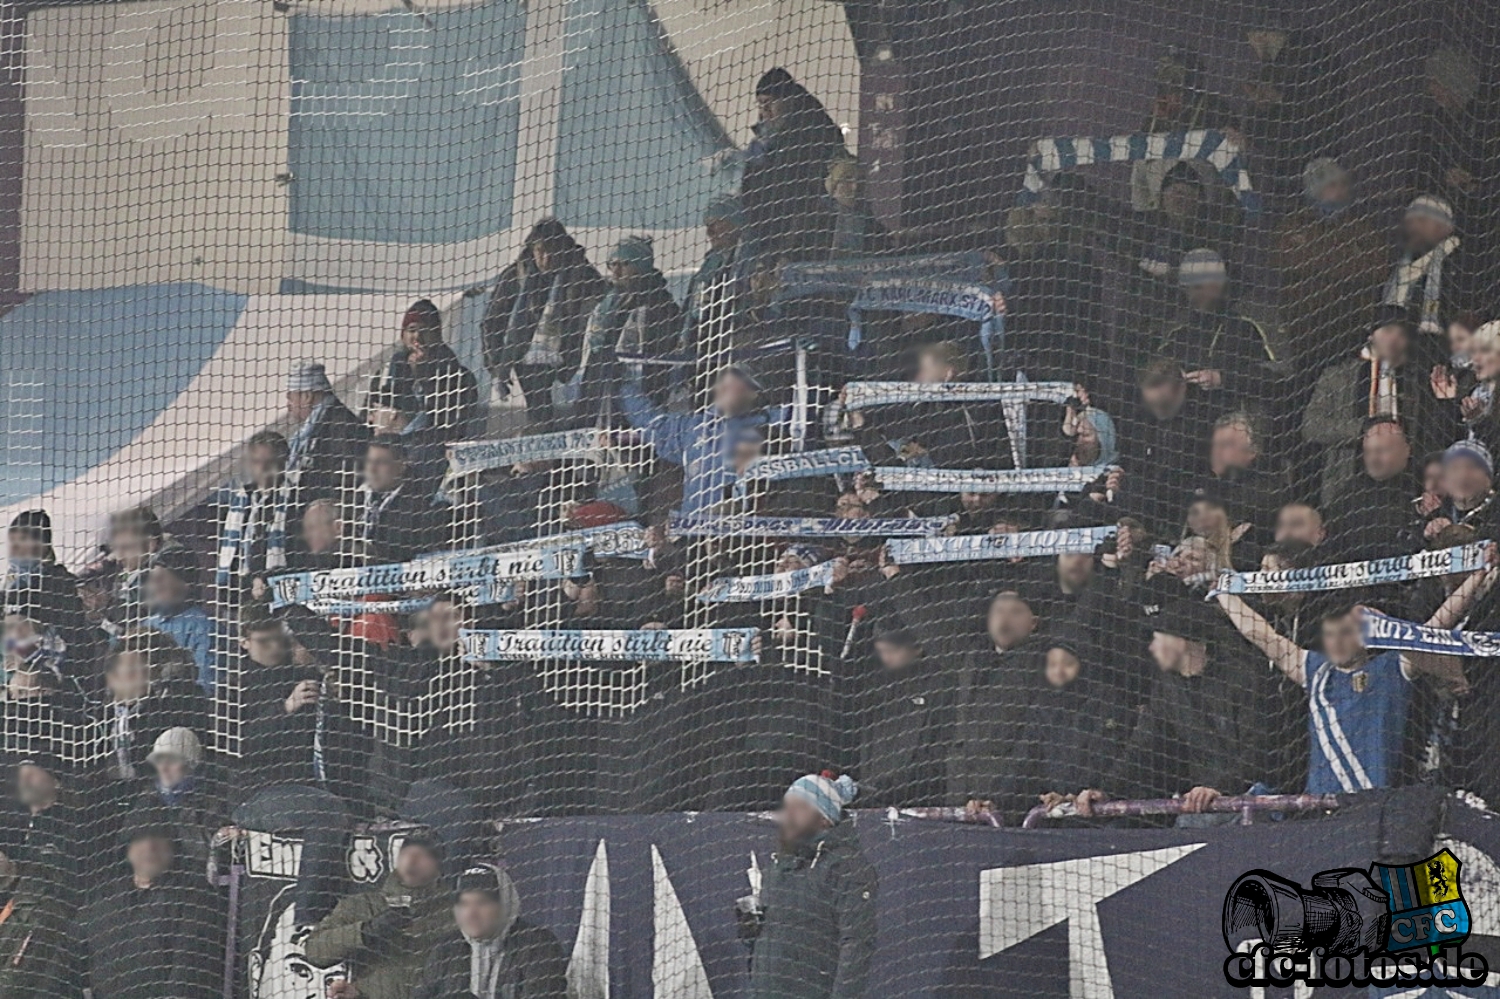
{"type": "Point", "coordinates": [838, 278]}
{"type": "Point", "coordinates": [1013, 398]}
{"type": "Point", "coordinates": [932, 296]}
{"type": "Point", "coordinates": [1049, 156]}
{"type": "Point", "coordinates": [479, 456]}
{"type": "Point", "coordinates": [1011, 480]}
{"type": "Point", "coordinates": [301, 442]}
{"type": "Point", "coordinates": [450, 571]}
{"type": "Point", "coordinates": [1381, 632]}
{"type": "Point", "coordinates": [240, 531]}
{"type": "Point", "coordinates": [987, 547]}
{"type": "Point", "coordinates": [1411, 270]}
{"type": "Point", "coordinates": [622, 539]}
{"type": "Point", "coordinates": [773, 586]}
{"type": "Point", "coordinates": [803, 465]}
{"type": "Point", "coordinates": [1347, 575]}
{"type": "Point", "coordinates": [807, 527]}
{"type": "Point", "coordinates": [730, 645]}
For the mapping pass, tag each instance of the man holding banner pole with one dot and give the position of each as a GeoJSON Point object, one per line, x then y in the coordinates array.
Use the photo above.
{"type": "Point", "coordinates": [1358, 697]}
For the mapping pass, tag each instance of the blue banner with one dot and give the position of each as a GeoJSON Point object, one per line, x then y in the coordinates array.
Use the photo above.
{"type": "Point", "coordinates": [479, 456]}
{"type": "Point", "coordinates": [807, 527]}
{"type": "Point", "coordinates": [985, 547]}
{"type": "Point", "coordinates": [1347, 575]}
{"type": "Point", "coordinates": [978, 480]}
{"type": "Point", "coordinates": [1379, 631]}
{"type": "Point", "coordinates": [724, 645]}
{"type": "Point", "coordinates": [804, 465]}
{"type": "Point", "coordinates": [746, 589]}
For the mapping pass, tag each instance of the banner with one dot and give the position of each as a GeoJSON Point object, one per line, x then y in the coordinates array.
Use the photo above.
{"type": "Point", "coordinates": [864, 395]}
{"type": "Point", "coordinates": [984, 547]}
{"type": "Point", "coordinates": [1347, 575]}
{"type": "Point", "coordinates": [746, 589]}
{"type": "Point", "coordinates": [354, 608]}
{"type": "Point", "coordinates": [692, 645]}
{"type": "Point", "coordinates": [846, 277]}
{"type": "Point", "coordinates": [478, 456]}
{"type": "Point", "coordinates": [979, 480]}
{"type": "Point", "coordinates": [807, 527]}
{"type": "Point", "coordinates": [622, 539]}
{"type": "Point", "coordinates": [804, 465]}
{"type": "Point", "coordinates": [1379, 631]}
{"type": "Point", "coordinates": [933, 296]}
{"type": "Point", "coordinates": [485, 571]}
{"type": "Point", "coordinates": [1048, 156]}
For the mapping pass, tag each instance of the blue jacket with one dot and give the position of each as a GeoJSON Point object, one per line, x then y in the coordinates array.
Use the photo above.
{"type": "Point", "coordinates": [702, 443]}
{"type": "Point", "coordinates": [190, 628]}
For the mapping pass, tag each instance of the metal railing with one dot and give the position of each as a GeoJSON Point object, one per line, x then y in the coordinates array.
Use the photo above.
{"type": "Point", "coordinates": [1247, 805]}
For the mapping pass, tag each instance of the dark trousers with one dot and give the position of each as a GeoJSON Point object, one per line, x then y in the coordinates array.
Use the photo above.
{"type": "Point", "coordinates": [536, 386]}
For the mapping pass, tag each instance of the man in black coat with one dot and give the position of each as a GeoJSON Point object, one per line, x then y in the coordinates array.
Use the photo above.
{"type": "Point", "coordinates": [814, 937]}
{"type": "Point", "coordinates": [392, 519]}
{"type": "Point", "coordinates": [992, 691]}
{"type": "Point", "coordinates": [329, 443]}
{"type": "Point", "coordinates": [495, 954]}
{"type": "Point", "coordinates": [1163, 447]}
{"type": "Point", "coordinates": [157, 932]}
{"type": "Point", "coordinates": [449, 391]}
{"type": "Point", "coordinates": [904, 714]}
{"type": "Point", "coordinates": [786, 167]}
{"type": "Point", "coordinates": [1225, 354]}
{"type": "Point", "coordinates": [1374, 516]}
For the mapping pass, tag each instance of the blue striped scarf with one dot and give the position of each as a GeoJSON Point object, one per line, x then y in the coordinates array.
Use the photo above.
{"type": "Point", "coordinates": [241, 531]}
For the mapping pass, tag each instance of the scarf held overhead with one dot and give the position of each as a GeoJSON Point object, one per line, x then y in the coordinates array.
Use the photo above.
{"type": "Point", "coordinates": [733, 645]}
{"type": "Point", "coordinates": [807, 527]}
{"type": "Point", "coordinates": [984, 547]}
{"type": "Point", "coordinates": [776, 585]}
{"type": "Point", "coordinates": [1347, 575]}
{"type": "Point", "coordinates": [1378, 631]}
{"type": "Point", "coordinates": [1013, 480]}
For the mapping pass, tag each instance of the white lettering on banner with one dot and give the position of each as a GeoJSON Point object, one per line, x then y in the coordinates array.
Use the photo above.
{"type": "Point", "coordinates": [1346, 575]}
{"type": "Point", "coordinates": [863, 395]}
{"type": "Point", "coordinates": [602, 645]}
{"type": "Point", "coordinates": [1017, 903]}
{"type": "Point", "coordinates": [977, 547]}
{"type": "Point", "coordinates": [268, 855]}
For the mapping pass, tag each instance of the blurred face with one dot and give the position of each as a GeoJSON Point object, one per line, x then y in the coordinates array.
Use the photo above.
{"type": "Point", "coordinates": [172, 770]}
{"type": "Point", "coordinates": [20, 632]}
{"type": "Point", "coordinates": [978, 502]}
{"type": "Point", "coordinates": [299, 405]}
{"type": "Point", "coordinates": [416, 867]}
{"type": "Point", "coordinates": [150, 857]}
{"type": "Point", "coordinates": [1386, 452]}
{"type": "Point", "coordinates": [722, 234]}
{"type": "Point", "coordinates": [321, 528]}
{"type": "Point", "coordinates": [1337, 191]}
{"type": "Point", "coordinates": [477, 915]}
{"type": "Point", "coordinates": [1164, 400]}
{"type": "Point", "coordinates": [1432, 477]}
{"type": "Point", "coordinates": [1205, 520]}
{"type": "Point", "coordinates": [1206, 296]}
{"type": "Point", "coordinates": [35, 787]}
{"type": "Point", "coordinates": [1390, 343]}
{"type": "Point", "coordinates": [130, 545]}
{"type": "Point", "coordinates": [1423, 232]}
{"type": "Point", "coordinates": [733, 395]}
{"type": "Point", "coordinates": [1231, 447]}
{"type": "Point", "coordinates": [931, 371]}
{"type": "Point", "coordinates": [129, 677]}
{"type": "Point", "coordinates": [770, 107]}
{"type": "Point", "coordinates": [1299, 522]}
{"type": "Point", "coordinates": [1062, 667]}
{"type": "Point", "coordinates": [895, 655]}
{"type": "Point", "coordinates": [1180, 201]}
{"type": "Point", "coordinates": [23, 545]}
{"type": "Point", "coordinates": [1010, 622]}
{"type": "Point", "coordinates": [165, 590]}
{"type": "Point", "coordinates": [745, 454]}
{"type": "Point", "coordinates": [1487, 358]}
{"type": "Point", "coordinates": [383, 470]}
{"type": "Point", "coordinates": [541, 255]}
{"type": "Point", "coordinates": [1190, 560]}
{"type": "Point", "coordinates": [386, 420]}
{"type": "Point", "coordinates": [850, 507]}
{"type": "Point", "coordinates": [1341, 641]}
{"type": "Point", "coordinates": [266, 646]}
{"type": "Point", "coordinates": [1463, 479]}
{"type": "Point", "coordinates": [799, 820]}
{"type": "Point", "coordinates": [1171, 652]}
{"type": "Point", "coordinates": [1074, 571]}
{"type": "Point", "coordinates": [443, 624]}
{"type": "Point", "coordinates": [621, 272]}
{"type": "Point", "coordinates": [1266, 43]}
{"type": "Point", "coordinates": [262, 464]}
{"type": "Point", "coordinates": [411, 337]}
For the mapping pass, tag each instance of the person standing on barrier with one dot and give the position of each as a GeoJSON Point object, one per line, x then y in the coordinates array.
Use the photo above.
{"type": "Point", "coordinates": [494, 954]}
{"type": "Point", "coordinates": [386, 934]}
{"type": "Point", "coordinates": [815, 936]}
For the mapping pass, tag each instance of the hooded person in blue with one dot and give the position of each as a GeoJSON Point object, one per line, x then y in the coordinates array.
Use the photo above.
{"type": "Point", "coordinates": [703, 443]}
{"type": "Point", "coordinates": [816, 932]}
{"type": "Point", "coordinates": [723, 277]}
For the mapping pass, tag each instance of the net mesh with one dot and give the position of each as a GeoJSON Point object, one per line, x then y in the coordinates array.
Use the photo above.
{"type": "Point", "coordinates": [427, 425]}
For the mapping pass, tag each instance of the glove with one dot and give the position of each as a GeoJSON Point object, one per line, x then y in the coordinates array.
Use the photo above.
{"type": "Point", "coordinates": [381, 930]}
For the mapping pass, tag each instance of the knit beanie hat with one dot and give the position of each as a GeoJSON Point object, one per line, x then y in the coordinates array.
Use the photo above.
{"type": "Point", "coordinates": [1318, 174]}
{"type": "Point", "coordinates": [775, 82]}
{"type": "Point", "coordinates": [35, 524]}
{"type": "Point", "coordinates": [309, 376]}
{"type": "Point", "coordinates": [1432, 207]}
{"type": "Point", "coordinates": [425, 316]}
{"type": "Point", "coordinates": [826, 793]}
{"type": "Point", "coordinates": [1471, 450]}
{"type": "Point", "coordinates": [636, 251]}
{"type": "Point", "coordinates": [1201, 266]}
{"type": "Point", "coordinates": [724, 208]}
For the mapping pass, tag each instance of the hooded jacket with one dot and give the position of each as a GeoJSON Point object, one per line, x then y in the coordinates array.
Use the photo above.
{"type": "Point", "coordinates": [818, 935]}
{"type": "Point", "coordinates": [384, 969]}
{"type": "Point", "coordinates": [639, 319]}
{"type": "Point", "coordinates": [526, 961]}
{"type": "Point", "coordinates": [526, 299]}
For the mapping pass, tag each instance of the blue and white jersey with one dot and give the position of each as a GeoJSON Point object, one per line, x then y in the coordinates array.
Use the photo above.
{"type": "Point", "coordinates": [1357, 720]}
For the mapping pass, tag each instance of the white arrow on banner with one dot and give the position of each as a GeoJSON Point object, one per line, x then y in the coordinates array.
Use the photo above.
{"type": "Point", "coordinates": [677, 970]}
{"type": "Point", "coordinates": [1017, 903]}
{"type": "Point", "coordinates": [588, 968]}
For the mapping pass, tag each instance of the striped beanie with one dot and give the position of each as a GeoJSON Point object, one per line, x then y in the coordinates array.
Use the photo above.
{"type": "Point", "coordinates": [1432, 207]}
{"type": "Point", "coordinates": [1201, 266]}
{"type": "Point", "coordinates": [825, 793]}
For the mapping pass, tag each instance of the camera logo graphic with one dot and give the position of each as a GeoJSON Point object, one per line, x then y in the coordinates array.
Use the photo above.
{"type": "Point", "coordinates": [1383, 926]}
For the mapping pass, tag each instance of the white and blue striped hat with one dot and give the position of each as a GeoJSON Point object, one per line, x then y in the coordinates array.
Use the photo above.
{"type": "Point", "coordinates": [1201, 266]}
{"type": "Point", "coordinates": [1432, 207]}
{"type": "Point", "coordinates": [826, 794]}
